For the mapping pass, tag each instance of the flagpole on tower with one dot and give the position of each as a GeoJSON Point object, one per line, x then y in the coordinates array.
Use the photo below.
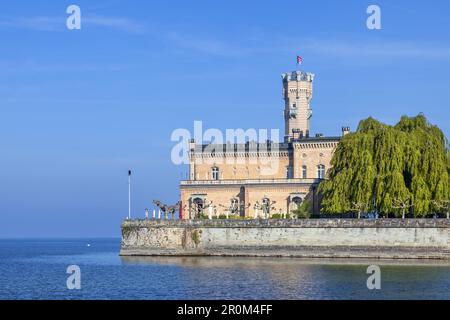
{"type": "Point", "coordinates": [129, 194]}
{"type": "Point", "coordinates": [299, 61]}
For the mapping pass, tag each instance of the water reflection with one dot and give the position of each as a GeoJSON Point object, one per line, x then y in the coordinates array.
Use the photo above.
{"type": "Point", "coordinates": [294, 278]}
{"type": "Point", "coordinates": [258, 262]}
{"type": "Point", "coordinates": [38, 270]}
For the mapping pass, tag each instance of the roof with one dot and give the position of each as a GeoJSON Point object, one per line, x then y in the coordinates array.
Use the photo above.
{"type": "Point", "coordinates": [269, 145]}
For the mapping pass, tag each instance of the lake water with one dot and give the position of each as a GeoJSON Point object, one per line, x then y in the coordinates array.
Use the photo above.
{"type": "Point", "coordinates": [36, 269]}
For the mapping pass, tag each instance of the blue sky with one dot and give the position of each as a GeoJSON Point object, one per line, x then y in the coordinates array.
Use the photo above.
{"type": "Point", "coordinates": [79, 108]}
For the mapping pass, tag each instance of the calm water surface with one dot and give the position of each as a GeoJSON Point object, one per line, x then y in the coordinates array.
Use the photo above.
{"type": "Point", "coordinates": [36, 269]}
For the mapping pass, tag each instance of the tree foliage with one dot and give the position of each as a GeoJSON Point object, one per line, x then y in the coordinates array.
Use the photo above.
{"type": "Point", "coordinates": [303, 210]}
{"type": "Point", "coordinates": [389, 168]}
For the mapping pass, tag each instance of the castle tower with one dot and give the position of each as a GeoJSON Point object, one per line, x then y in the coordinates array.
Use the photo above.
{"type": "Point", "coordinates": [297, 94]}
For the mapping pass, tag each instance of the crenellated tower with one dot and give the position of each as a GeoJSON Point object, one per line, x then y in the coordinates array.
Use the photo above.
{"type": "Point", "coordinates": [297, 94]}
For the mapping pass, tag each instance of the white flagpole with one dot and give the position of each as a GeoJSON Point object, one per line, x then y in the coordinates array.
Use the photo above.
{"type": "Point", "coordinates": [129, 194]}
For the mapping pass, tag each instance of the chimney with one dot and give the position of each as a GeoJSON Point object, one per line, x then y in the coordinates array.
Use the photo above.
{"type": "Point", "coordinates": [345, 131]}
{"type": "Point", "coordinates": [192, 145]}
{"type": "Point", "coordinates": [307, 134]}
{"type": "Point", "coordinates": [296, 134]}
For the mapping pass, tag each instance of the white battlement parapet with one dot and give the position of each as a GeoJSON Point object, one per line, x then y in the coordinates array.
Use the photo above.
{"type": "Point", "coordinates": [298, 76]}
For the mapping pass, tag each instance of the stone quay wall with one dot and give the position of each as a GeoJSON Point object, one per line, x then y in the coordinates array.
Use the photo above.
{"type": "Point", "coordinates": [313, 238]}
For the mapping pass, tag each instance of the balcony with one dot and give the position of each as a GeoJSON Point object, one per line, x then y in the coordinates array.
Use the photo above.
{"type": "Point", "coordinates": [248, 181]}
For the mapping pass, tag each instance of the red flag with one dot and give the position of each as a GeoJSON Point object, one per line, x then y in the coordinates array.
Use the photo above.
{"type": "Point", "coordinates": [299, 60]}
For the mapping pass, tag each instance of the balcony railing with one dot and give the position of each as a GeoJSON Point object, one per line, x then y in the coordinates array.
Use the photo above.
{"type": "Point", "coordinates": [248, 181]}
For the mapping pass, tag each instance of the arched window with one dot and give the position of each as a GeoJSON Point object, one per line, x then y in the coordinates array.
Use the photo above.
{"type": "Point", "coordinates": [215, 173]}
{"type": "Point", "coordinates": [289, 173]}
{"type": "Point", "coordinates": [304, 172]}
{"type": "Point", "coordinates": [296, 202]}
{"type": "Point", "coordinates": [293, 111]}
{"type": "Point", "coordinates": [321, 171]}
{"type": "Point", "coordinates": [198, 204]}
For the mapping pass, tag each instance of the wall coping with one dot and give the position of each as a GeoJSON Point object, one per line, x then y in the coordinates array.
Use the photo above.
{"type": "Point", "coordinates": [289, 223]}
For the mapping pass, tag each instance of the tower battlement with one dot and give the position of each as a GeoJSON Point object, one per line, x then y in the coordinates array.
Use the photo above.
{"type": "Point", "coordinates": [298, 76]}
{"type": "Point", "coordinates": [297, 95]}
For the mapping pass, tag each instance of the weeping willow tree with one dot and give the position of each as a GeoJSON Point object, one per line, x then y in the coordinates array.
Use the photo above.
{"type": "Point", "coordinates": [396, 170]}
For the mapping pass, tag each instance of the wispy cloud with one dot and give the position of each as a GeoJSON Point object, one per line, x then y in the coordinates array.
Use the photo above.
{"type": "Point", "coordinates": [246, 43]}
{"type": "Point", "coordinates": [202, 44]}
{"type": "Point", "coordinates": [380, 49]}
{"type": "Point", "coordinates": [41, 23]}
{"type": "Point", "coordinates": [46, 23]}
{"type": "Point", "coordinates": [18, 66]}
{"type": "Point", "coordinates": [345, 48]}
{"type": "Point", "coordinates": [123, 24]}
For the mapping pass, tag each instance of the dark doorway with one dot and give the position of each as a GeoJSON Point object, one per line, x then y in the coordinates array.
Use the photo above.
{"type": "Point", "coordinates": [242, 201]}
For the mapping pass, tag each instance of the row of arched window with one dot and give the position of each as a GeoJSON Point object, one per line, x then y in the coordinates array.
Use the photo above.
{"type": "Point", "coordinates": [215, 172]}
{"type": "Point", "coordinates": [320, 172]}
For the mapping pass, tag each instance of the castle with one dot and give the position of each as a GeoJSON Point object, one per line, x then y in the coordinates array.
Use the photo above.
{"type": "Point", "coordinates": [234, 179]}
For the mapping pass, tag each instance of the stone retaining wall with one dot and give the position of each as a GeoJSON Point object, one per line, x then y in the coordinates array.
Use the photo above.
{"type": "Point", "coordinates": [340, 238]}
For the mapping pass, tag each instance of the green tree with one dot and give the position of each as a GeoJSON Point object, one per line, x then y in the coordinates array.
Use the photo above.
{"type": "Point", "coordinates": [396, 170]}
{"type": "Point", "coordinates": [303, 210]}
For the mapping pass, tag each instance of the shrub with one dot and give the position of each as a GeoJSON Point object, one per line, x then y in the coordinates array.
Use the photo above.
{"type": "Point", "coordinates": [280, 216]}
{"type": "Point", "coordinates": [304, 210]}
